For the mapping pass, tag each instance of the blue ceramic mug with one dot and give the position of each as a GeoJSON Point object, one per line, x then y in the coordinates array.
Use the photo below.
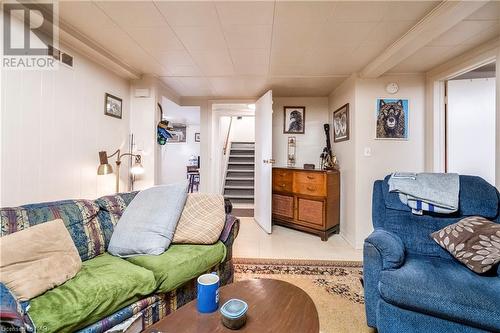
{"type": "Point", "coordinates": [208, 293]}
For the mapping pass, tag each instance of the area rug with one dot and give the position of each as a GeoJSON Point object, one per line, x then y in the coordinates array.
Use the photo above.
{"type": "Point", "coordinates": [334, 286]}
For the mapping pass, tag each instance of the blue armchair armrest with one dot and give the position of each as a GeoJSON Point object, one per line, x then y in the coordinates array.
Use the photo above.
{"type": "Point", "coordinates": [389, 246]}
{"type": "Point", "coordinates": [382, 250]}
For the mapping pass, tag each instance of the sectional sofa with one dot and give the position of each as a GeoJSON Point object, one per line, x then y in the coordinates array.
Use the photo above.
{"type": "Point", "coordinates": [109, 290]}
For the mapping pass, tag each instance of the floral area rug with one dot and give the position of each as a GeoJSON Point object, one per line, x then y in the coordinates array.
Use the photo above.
{"type": "Point", "coordinates": [334, 286]}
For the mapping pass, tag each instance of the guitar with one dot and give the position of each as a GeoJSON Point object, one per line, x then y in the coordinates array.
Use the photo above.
{"type": "Point", "coordinates": [328, 160]}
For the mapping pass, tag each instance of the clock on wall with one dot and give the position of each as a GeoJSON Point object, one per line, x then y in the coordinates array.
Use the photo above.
{"type": "Point", "coordinates": [392, 88]}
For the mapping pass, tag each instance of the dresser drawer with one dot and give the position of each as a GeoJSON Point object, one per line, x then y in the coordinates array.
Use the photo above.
{"type": "Point", "coordinates": [310, 211]}
{"type": "Point", "coordinates": [310, 177]}
{"type": "Point", "coordinates": [280, 176]}
{"type": "Point", "coordinates": [280, 185]}
{"type": "Point", "coordinates": [283, 205]}
{"type": "Point", "coordinates": [310, 189]}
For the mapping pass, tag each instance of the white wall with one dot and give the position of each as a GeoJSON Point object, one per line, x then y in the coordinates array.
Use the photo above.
{"type": "Point", "coordinates": [311, 143]}
{"type": "Point", "coordinates": [175, 156]}
{"type": "Point", "coordinates": [53, 126]}
{"type": "Point", "coordinates": [346, 156]}
{"type": "Point", "coordinates": [386, 156]}
{"type": "Point", "coordinates": [243, 130]}
{"type": "Point", "coordinates": [471, 127]}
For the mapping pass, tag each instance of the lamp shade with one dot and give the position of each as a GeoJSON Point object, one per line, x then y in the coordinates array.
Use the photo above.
{"type": "Point", "coordinates": [137, 168]}
{"type": "Point", "coordinates": [104, 167]}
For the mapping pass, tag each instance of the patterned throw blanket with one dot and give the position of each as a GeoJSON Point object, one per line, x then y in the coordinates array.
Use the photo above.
{"type": "Point", "coordinates": [12, 313]}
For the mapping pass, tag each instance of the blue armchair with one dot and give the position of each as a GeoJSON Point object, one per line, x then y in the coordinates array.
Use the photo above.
{"type": "Point", "coordinates": [411, 283]}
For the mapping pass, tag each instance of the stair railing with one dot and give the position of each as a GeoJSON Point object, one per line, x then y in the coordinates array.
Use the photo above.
{"type": "Point", "coordinates": [226, 142]}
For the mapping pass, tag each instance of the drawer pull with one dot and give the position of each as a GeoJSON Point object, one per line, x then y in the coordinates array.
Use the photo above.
{"type": "Point", "coordinates": [310, 177]}
{"type": "Point", "coordinates": [283, 185]}
{"type": "Point", "coordinates": [310, 188]}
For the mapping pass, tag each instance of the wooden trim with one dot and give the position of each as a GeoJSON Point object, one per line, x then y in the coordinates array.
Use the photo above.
{"type": "Point", "coordinates": [446, 126]}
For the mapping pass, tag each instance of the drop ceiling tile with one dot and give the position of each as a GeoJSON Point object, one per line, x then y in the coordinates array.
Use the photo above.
{"type": "Point", "coordinates": [359, 11]}
{"type": "Point", "coordinates": [238, 86]}
{"type": "Point", "coordinates": [178, 63]}
{"type": "Point", "coordinates": [386, 33]}
{"type": "Point", "coordinates": [251, 69]}
{"type": "Point", "coordinates": [217, 62]}
{"type": "Point", "coordinates": [339, 34]}
{"type": "Point", "coordinates": [157, 39]}
{"type": "Point", "coordinates": [295, 37]}
{"type": "Point", "coordinates": [133, 13]}
{"type": "Point", "coordinates": [490, 11]}
{"type": "Point", "coordinates": [485, 35]}
{"type": "Point", "coordinates": [201, 38]}
{"type": "Point", "coordinates": [248, 36]}
{"type": "Point", "coordinates": [423, 60]}
{"type": "Point", "coordinates": [77, 13]}
{"type": "Point", "coordinates": [188, 13]}
{"type": "Point", "coordinates": [462, 32]}
{"type": "Point", "coordinates": [303, 12]}
{"type": "Point", "coordinates": [191, 86]}
{"type": "Point", "coordinates": [407, 10]}
{"type": "Point", "coordinates": [245, 12]}
{"type": "Point", "coordinates": [330, 61]}
{"type": "Point", "coordinates": [306, 87]}
{"type": "Point", "coordinates": [250, 56]}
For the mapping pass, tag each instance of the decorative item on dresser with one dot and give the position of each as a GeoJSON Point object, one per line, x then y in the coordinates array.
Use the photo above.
{"type": "Point", "coordinates": [307, 200]}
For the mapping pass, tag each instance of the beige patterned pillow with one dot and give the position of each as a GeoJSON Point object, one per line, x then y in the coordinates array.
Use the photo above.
{"type": "Point", "coordinates": [202, 219]}
{"type": "Point", "coordinates": [474, 241]}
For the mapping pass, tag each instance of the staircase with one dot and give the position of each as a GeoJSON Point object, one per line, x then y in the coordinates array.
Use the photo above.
{"type": "Point", "coordinates": [239, 182]}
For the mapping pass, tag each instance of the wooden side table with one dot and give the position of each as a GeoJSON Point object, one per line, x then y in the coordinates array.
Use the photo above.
{"type": "Point", "coordinates": [273, 306]}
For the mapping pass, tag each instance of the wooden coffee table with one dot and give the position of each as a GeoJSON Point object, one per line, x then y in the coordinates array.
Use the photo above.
{"type": "Point", "coordinates": [273, 306]}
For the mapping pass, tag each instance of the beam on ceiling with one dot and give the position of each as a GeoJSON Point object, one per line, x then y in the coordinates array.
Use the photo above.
{"type": "Point", "coordinates": [442, 18]}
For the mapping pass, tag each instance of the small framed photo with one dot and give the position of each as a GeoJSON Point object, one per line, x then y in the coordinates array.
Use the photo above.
{"type": "Point", "coordinates": [341, 123]}
{"type": "Point", "coordinates": [392, 119]}
{"type": "Point", "coordinates": [294, 119]}
{"type": "Point", "coordinates": [178, 133]}
{"type": "Point", "coordinates": [196, 137]}
{"type": "Point", "coordinates": [112, 106]}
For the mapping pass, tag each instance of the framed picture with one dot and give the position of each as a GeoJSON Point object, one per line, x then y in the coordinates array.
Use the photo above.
{"type": "Point", "coordinates": [341, 123]}
{"type": "Point", "coordinates": [196, 137]}
{"type": "Point", "coordinates": [294, 119]}
{"type": "Point", "coordinates": [392, 119]}
{"type": "Point", "coordinates": [178, 133]}
{"type": "Point", "coordinates": [112, 106]}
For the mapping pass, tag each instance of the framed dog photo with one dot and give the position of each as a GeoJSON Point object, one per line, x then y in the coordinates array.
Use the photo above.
{"type": "Point", "coordinates": [112, 106]}
{"type": "Point", "coordinates": [294, 119]}
{"type": "Point", "coordinates": [392, 119]}
{"type": "Point", "coordinates": [341, 123]}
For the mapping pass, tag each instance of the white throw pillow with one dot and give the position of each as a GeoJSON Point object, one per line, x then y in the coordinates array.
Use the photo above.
{"type": "Point", "coordinates": [148, 223]}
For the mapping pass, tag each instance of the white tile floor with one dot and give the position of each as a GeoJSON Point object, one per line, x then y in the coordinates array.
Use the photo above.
{"type": "Point", "coordinates": [285, 243]}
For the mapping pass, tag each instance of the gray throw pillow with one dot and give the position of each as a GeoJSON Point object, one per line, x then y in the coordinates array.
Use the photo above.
{"type": "Point", "coordinates": [148, 224]}
{"type": "Point", "coordinates": [474, 241]}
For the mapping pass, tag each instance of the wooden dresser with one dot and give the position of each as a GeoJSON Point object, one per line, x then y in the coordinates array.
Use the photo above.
{"type": "Point", "coordinates": [307, 200]}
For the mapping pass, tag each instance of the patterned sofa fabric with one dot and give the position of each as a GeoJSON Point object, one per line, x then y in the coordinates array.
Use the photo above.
{"type": "Point", "coordinates": [155, 307]}
{"type": "Point", "coordinates": [111, 209]}
{"type": "Point", "coordinates": [79, 216]}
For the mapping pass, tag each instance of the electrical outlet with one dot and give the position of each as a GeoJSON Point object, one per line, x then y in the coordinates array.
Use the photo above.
{"type": "Point", "coordinates": [367, 152]}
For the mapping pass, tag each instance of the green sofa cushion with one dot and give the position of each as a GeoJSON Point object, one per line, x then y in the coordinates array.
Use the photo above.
{"type": "Point", "coordinates": [181, 263]}
{"type": "Point", "coordinates": [104, 285]}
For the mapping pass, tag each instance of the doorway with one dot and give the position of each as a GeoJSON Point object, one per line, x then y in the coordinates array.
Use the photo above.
{"type": "Point", "coordinates": [235, 155]}
{"type": "Point", "coordinates": [180, 155]}
{"type": "Point", "coordinates": [470, 123]}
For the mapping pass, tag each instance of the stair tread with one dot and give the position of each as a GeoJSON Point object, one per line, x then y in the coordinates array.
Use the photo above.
{"type": "Point", "coordinates": [238, 170]}
{"type": "Point", "coordinates": [242, 163]}
{"type": "Point", "coordinates": [239, 196]}
{"type": "Point", "coordinates": [238, 187]}
{"type": "Point", "coordinates": [242, 156]}
{"type": "Point", "coordinates": [239, 178]}
{"type": "Point", "coordinates": [242, 148]}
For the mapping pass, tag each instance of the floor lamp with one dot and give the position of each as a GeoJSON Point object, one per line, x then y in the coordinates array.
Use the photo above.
{"type": "Point", "coordinates": [106, 168]}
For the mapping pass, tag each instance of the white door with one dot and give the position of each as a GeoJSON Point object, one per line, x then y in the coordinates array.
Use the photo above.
{"type": "Point", "coordinates": [263, 160]}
